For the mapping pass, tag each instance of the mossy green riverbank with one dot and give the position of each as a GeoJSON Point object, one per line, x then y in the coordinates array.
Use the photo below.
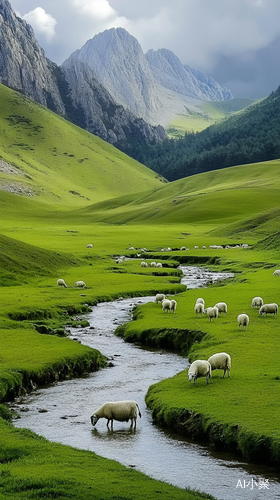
{"type": "Point", "coordinates": [239, 414]}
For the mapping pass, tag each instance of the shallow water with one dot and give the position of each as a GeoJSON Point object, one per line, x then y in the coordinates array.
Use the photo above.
{"type": "Point", "coordinates": [62, 412]}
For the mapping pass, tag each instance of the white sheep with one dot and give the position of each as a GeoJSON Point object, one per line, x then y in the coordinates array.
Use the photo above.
{"type": "Point", "coordinates": [199, 368]}
{"type": "Point", "coordinates": [159, 297]}
{"type": "Point", "coordinates": [222, 307]}
{"type": "Point", "coordinates": [276, 272]}
{"type": "Point", "coordinates": [144, 264]}
{"type": "Point", "coordinates": [122, 411]}
{"type": "Point", "coordinates": [173, 305]}
{"type": "Point", "coordinates": [243, 320]}
{"type": "Point", "coordinates": [61, 282]}
{"type": "Point", "coordinates": [80, 284]}
{"type": "Point", "coordinates": [198, 308]}
{"type": "Point", "coordinates": [196, 247]}
{"type": "Point", "coordinates": [183, 248]}
{"type": "Point", "coordinates": [166, 305]}
{"type": "Point", "coordinates": [220, 361]}
{"type": "Point", "coordinates": [212, 312]}
{"type": "Point", "coordinates": [153, 264]}
{"type": "Point", "coordinates": [257, 302]}
{"type": "Point", "coordinates": [269, 309]}
{"type": "Point", "coordinates": [159, 264]}
{"type": "Point", "coordinates": [200, 301]}
{"type": "Point", "coordinates": [89, 245]}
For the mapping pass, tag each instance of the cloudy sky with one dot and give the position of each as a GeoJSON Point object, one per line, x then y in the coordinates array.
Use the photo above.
{"type": "Point", "coordinates": [237, 42]}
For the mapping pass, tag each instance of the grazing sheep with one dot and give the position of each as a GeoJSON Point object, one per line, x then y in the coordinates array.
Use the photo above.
{"type": "Point", "coordinates": [80, 284]}
{"type": "Point", "coordinates": [89, 245]}
{"type": "Point", "coordinates": [199, 368]}
{"type": "Point", "coordinates": [212, 312]}
{"type": "Point", "coordinates": [123, 411]}
{"type": "Point", "coordinates": [173, 305]}
{"type": "Point", "coordinates": [159, 264]}
{"type": "Point", "coordinates": [61, 282]}
{"type": "Point", "coordinates": [276, 272]}
{"type": "Point", "coordinates": [198, 308]}
{"type": "Point", "coordinates": [200, 301]}
{"type": "Point", "coordinates": [144, 264]}
{"type": "Point", "coordinates": [153, 264]}
{"type": "Point", "coordinates": [160, 297]}
{"type": "Point", "coordinates": [166, 305]}
{"type": "Point", "coordinates": [257, 302]}
{"type": "Point", "coordinates": [183, 248]}
{"type": "Point", "coordinates": [222, 307]}
{"type": "Point", "coordinates": [220, 361]}
{"type": "Point", "coordinates": [243, 320]}
{"type": "Point", "coordinates": [204, 247]}
{"type": "Point", "coordinates": [196, 247]}
{"type": "Point", "coordinates": [269, 309]}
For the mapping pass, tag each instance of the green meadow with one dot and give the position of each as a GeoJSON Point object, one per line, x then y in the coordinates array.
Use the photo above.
{"type": "Point", "coordinates": [69, 189]}
{"type": "Point", "coordinates": [209, 114]}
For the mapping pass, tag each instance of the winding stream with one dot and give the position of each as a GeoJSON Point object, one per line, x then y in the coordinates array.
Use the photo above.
{"type": "Point", "coordinates": [62, 412]}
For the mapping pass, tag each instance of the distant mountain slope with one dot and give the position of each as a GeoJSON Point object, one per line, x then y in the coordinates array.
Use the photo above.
{"type": "Point", "coordinates": [155, 87]}
{"type": "Point", "coordinates": [171, 74]}
{"type": "Point", "coordinates": [45, 157]}
{"type": "Point", "coordinates": [252, 135]}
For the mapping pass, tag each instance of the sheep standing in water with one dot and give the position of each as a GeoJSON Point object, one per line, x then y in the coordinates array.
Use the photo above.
{"type": "Point", "coordinates": [61, 282]}
{"type": "Point", "coordinates": [122, 411]}
{"type": "Point", "coordinates": [220, 361]}
{"type": "Point", "coordinates": [199, 368]}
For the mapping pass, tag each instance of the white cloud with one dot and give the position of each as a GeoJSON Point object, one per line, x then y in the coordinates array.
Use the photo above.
{"type": "Point", "coordinates": [42, 23]}
{"type": "Point", "coordinates": [97, 9]}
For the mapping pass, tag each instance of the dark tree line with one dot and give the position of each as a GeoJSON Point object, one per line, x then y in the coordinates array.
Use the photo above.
{"type": "Point", "coordinates": [249, 137]}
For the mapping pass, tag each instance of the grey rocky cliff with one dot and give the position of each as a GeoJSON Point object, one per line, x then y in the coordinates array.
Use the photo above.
{"type": "Point", "coordinates": [118, 62]}
{"type": "Point", "coordinates": [173, 75]}
{"type": "Point", "coordinates": [78, 97]}
{"type": "Point", "coordinates": [23, 64]}
{"type": "Point", "coordinates": [101, 115]}
{"type": "Point", "coordinates": [155, 87]}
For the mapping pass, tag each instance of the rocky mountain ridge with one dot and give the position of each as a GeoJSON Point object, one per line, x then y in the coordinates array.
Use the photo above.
{"type": "Point", "coordinates": [24, 67]}
{"type": "Point", "coordinates": [109, 87]}
{"type": "Point", "coordinates": [155, 86]}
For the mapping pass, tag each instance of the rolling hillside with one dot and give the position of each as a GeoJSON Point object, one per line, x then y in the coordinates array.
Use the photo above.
{"type": "Point", "coordinates": [248, 136]}
{"type": "Point", "coordinates": [211, 112]}
{"type": "Point", "coordinates": [42, 156]}
{"type": "Point", "coordinates": [233, 195]}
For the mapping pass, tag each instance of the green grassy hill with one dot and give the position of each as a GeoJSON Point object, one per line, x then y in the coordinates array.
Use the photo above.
{"type": "Point", "coordinates": [211, 112]}
{"type": "Point", "coordinates": [247, 136]}
{"type": "Point", "coordinates": [56, 162]}
{"type": "Point", "coordinates": [75, 190]}
{"type": "Point", "coordinates": [219, 197]}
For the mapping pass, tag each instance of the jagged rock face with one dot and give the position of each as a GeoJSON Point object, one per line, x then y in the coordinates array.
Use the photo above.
{"type": "Point", "coordinates": [119, 64]}
{"type": "Point", "coordinates": [23, 64]}
{"type": "Point", "coordinates": [71, 91]}
{"type": "Point", "coordinates": [101, 115]}
{"type": "Point", "coordinates": [171, 74]}
{"type": "Point", "coordinates": [155, 87]}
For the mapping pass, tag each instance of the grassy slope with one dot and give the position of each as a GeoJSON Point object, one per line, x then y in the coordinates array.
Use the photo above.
{"type": "Point", "coordinates": [60, 162]}
{"type": "Point", "coordinates": [218, 197]}
{"type": "Point", "coordinates": [211, 112]}
{"type": "Point", "coordinates": [60, 235]}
